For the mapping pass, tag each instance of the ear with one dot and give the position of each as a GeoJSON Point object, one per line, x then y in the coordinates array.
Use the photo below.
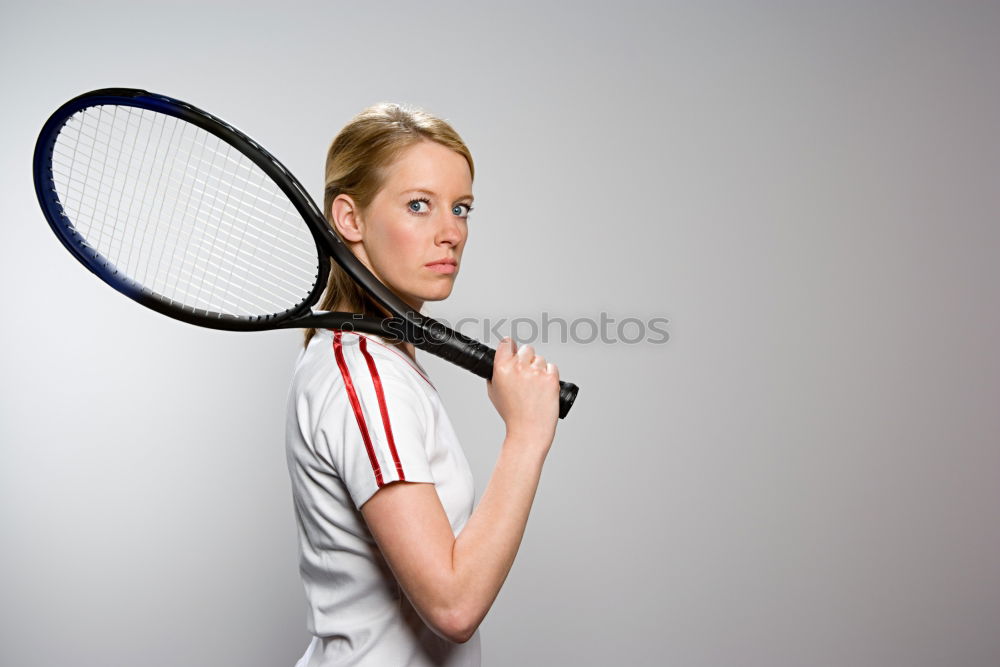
{"type": "Point", "coordinates": [346, 218]}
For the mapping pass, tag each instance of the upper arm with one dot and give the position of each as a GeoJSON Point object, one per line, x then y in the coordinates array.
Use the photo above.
{"type": "Point", "coordinates": [381, 449]}
{"type": "Point", "coordinates": [378, 427]}
{"type": "Point", "coordinates": [413, 533]}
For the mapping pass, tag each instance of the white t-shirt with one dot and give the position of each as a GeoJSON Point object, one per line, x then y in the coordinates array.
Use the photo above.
{"type": "Point", "coordinates": [361, 414]}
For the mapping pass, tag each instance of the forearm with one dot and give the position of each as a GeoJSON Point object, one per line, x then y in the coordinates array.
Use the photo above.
{"type": "Point", "coordinates": [485, 549]}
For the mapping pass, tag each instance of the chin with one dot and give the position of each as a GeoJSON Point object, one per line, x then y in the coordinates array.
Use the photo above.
{"type": "Point", "coordinates": [439, 294]}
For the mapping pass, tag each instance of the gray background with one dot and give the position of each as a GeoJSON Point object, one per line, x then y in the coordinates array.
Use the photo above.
{"type": "Point", "coordinates": [807, 473]}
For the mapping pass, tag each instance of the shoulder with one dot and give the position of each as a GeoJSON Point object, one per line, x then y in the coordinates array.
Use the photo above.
{"type": "Point", "coordinates": [351, 349]}
{"type": "Point", "coordinates": [337, 360]}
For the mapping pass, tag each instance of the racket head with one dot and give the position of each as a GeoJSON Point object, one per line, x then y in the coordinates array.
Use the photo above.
{"type": "Point", "coordinates": [124, 176]}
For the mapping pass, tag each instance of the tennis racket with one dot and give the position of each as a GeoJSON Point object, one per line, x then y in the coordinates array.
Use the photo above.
{"type": "Point", "coordinates": [183, 213]}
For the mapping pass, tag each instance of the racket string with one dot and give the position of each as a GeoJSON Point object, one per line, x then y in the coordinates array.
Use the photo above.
{"type": "Point", "coordinates": [181, 213]}
{"type": "Point", "coordinates": [272, 240]}
{"type": "Point", "coordinates": [279, 235]}
{"type": "Point", "coordinates": [286, 236]}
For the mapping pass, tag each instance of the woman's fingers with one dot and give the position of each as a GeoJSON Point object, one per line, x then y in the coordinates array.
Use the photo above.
{"type": "Point", "coordinates": [509, 352]}
{"type": "Point", "coordinates": [525, 355]}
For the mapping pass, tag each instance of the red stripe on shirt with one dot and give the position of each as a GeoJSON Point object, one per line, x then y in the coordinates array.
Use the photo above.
{"type": "Point", "coordinates": [338, 352]}
{"type": "Point", "coordinates": [394, 351]}
{"type": "Point", "coordinates": [381, 404]}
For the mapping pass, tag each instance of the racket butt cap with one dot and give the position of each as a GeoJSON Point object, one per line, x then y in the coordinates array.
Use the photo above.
{"type": "Point", "coordinates": [567, 394]}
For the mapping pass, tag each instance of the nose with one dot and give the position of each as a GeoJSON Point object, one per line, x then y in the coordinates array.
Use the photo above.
{"type": "Point", "coordinates": [450, 230]}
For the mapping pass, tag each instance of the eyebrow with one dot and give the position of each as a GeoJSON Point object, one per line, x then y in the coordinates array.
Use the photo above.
{"type": "Point", "coordinates": [434, 194]}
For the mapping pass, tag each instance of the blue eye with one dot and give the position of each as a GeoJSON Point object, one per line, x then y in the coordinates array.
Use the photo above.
{"type": "Point", "coordinates": [458, 210]}
{"type": "Point", "coordinates": [422, 200]}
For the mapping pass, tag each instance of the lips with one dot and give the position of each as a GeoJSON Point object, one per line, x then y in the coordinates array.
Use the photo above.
{"type": "Point", "coordinates": [446, 265]}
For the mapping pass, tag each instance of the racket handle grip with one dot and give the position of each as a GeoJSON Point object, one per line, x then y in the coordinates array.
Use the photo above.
{"type": "Point", "coordinates": [474, 356]}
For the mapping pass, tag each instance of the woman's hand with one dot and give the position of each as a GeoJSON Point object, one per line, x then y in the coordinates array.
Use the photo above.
{"type": "Point", "coordinates": [525, 391]}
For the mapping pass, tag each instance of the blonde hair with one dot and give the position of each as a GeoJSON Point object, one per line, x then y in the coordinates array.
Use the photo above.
{"type": "Point", "coordinates": [355, 166]}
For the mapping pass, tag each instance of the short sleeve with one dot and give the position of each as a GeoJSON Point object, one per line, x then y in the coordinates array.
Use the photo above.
{"type": "Point", "coordinates": [386, 434]}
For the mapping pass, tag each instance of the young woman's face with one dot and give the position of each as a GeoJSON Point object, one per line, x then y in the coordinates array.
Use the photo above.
{"type": "Point", "coordinates": [416, 219]}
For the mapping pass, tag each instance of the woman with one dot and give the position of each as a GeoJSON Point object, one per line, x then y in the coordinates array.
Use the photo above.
{"type": "Point", "coordinates": [398, 569]}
